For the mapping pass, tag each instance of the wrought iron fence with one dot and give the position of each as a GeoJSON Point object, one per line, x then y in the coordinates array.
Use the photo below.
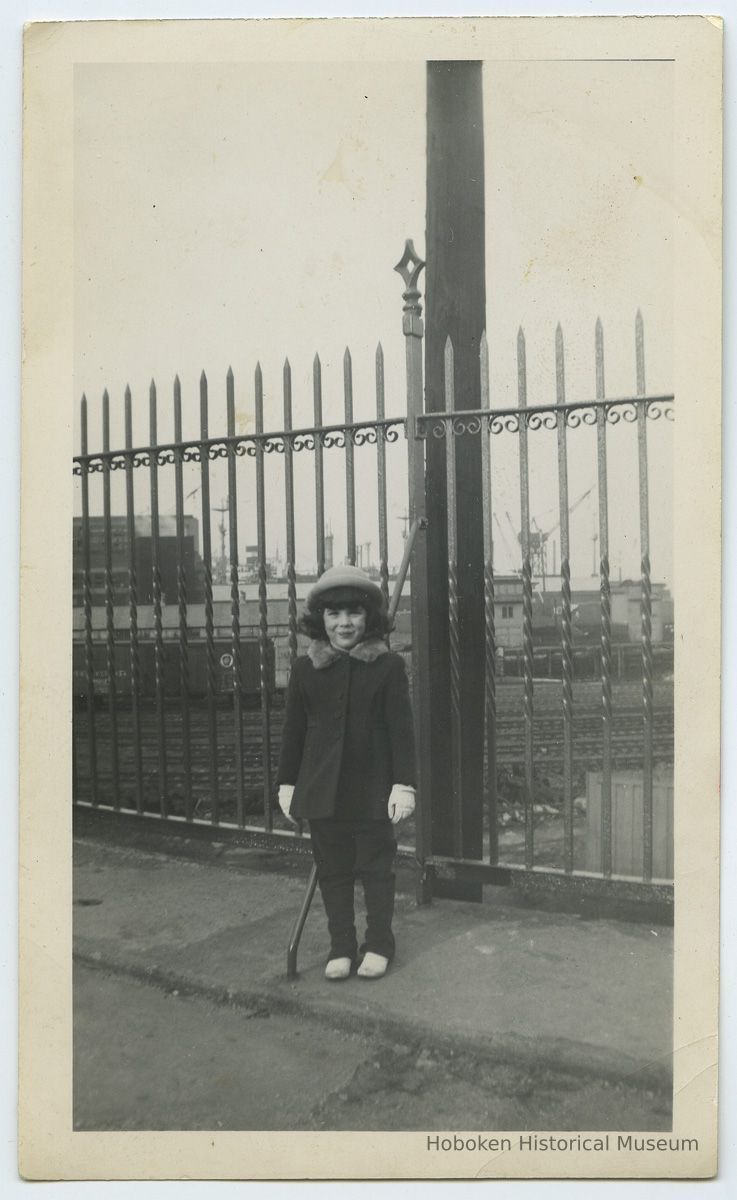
{"type": "Point", "coordinates": [230, 736]}
{"type": "Point", "coordinates": [204, 752]}
{"type": "Point", "coordinates": [487, 423]}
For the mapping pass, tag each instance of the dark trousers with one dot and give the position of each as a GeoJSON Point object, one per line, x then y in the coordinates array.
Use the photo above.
{"type": "Point", "coordinates": [345, 851]}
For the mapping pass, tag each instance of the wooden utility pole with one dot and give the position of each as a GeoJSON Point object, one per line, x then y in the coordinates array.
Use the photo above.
{"type": "Point", "coordinates": [455, 308]}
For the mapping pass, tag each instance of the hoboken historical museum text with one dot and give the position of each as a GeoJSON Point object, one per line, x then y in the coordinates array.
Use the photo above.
{"type": "Point", "coordinates": [574, 1143]}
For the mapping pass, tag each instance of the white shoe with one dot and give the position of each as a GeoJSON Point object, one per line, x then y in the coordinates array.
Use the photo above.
{"type": "Point", "coordinates": [373, 966]}
{"type": "Point", "coordinates": [338, 968]}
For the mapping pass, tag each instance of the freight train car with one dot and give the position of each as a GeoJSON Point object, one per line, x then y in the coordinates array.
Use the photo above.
{"type": "Point", "coordinates": [197, 668]}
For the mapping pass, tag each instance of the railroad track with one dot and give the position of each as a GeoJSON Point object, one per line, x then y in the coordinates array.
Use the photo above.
{"type": "Point", "coordinates": [627, 750]}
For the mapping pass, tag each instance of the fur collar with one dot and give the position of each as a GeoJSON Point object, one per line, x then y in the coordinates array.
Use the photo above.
{"type": "Point", "coordinates": [322, 654]}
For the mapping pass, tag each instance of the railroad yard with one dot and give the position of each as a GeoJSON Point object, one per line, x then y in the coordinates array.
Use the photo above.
{"type": "Point", "coordinates": [627, 744]}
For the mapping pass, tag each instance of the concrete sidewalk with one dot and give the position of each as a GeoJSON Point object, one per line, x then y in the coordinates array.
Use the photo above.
{"type": "Point", "coordinates": [512, 983]}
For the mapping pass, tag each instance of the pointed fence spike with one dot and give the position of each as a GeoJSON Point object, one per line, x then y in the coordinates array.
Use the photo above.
{"type": "Point", "coordinates": [287, 367]}
{"type": "Point", "coordinates": [346, 355]}
{"type": "Point", "coordinates": [640, 352]}
{"type": "Point", "coordinates": [105, 396]}
{"type": "Point", "coordinates": [379, 352]}
{"type": "Point", "coordinates": [484, 371]}
{"type": "Point", "coordinates": [203, 377]}
{"type": "Point", "coordinates": [449, 380]}
{"type": "Point", "coordinates": [599, 327]}
{"type": "Point", "coordinates": [316, 360]}
{"type": "Point", "coordinates": [484, 349]}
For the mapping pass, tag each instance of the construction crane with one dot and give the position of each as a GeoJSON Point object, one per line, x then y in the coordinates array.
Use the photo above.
{"type": "Point", "coordinates": [221, 568]}
{"type": "Point", "coordinates": [539, 538]}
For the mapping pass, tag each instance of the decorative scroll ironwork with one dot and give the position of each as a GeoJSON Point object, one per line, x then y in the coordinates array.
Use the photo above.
{"type": "Point", "coordinates": [331, 437]}
{"type": "Point", "coordinates": [544, 416]}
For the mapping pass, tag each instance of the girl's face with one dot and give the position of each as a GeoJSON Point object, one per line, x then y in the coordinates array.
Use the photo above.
{"type": "Point", "coordinates": [345, 626]}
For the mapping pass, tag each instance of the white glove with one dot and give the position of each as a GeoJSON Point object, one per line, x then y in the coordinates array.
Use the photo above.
{"type": "Point", "coordinates": [401, 802]}
{"type": "Point", "coordinates": [286, 791]}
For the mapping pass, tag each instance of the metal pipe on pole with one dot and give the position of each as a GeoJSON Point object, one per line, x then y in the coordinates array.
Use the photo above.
{"type": "Point", "coordinates": [455, 309]}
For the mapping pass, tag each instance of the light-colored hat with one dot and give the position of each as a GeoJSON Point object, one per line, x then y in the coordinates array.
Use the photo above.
{"type": "Point", "coordinates": [340, 579]}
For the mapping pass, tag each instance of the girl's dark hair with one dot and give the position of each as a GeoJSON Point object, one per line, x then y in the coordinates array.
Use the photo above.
{"type": "Point", "coordinates": [377, 618]}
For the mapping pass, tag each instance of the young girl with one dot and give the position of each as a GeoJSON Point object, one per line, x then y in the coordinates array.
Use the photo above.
{"type": "Point", "coordinates": [348, 761]}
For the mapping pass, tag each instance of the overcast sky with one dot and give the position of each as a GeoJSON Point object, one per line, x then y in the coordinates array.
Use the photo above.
{"type": "Point", "coordinates": [229, 213]}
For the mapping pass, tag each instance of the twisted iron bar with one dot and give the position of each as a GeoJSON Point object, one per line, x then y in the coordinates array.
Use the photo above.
{"type": "Point", "coordinates": [135, 651]}
{"type": "Point", "coordinates": [606, 712]}
{"type": "Point", "coordinates": [89, 661]}
{"type": "Point", "coordinates": [490, 676]}
{"type": "Point", "coordinates": [112, 689]}
{"type": "Point", "coordinates": [235, 629]}
{"type": "Point", "coordinates": [567, 672]}
{"type": "Point", "coordinates": [527, 646]}
{"type": "Point", "coordinates": [209, 630]}
{"type": "Point", "coordinates": [263, 648]}
{"type": "Point", "coordinates": [159, 682]}
{"type": "Point", "coordinates": [292, 610]}
{"type": "Point", "coordinates": [455, 695]}
{"type": "Point", "coordinates": [183, 654]}
{"type": "Point", "coordinates": [646, 609]}
{"type": "Point", "coordinates": [606, 642]}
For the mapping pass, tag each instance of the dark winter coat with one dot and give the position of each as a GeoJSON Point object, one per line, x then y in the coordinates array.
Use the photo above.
{"type": "Point", "coordinates": [348, 732]}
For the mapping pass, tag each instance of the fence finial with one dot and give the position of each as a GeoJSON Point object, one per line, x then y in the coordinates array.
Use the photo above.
{"type": "Point", "coordinates": [409, 267]}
